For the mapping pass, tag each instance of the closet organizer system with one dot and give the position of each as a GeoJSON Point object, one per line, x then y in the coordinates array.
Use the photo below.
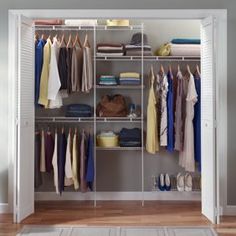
{"type": "Point", "coordinates": [121, 168]}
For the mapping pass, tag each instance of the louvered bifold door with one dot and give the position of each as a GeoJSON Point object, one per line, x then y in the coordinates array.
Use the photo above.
{"type": "Point", "coordinates": [25, 120]}
{"type": "Point", "coordinates": [208, 119]}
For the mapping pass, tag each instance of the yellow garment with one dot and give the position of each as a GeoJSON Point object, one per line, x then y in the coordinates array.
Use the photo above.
{"type": "Point", "coordinates": [164, 50]}
{"type": "Point", "coordinates": [152, 142]}
{"type": "Point", "coordinates": [75, 162]}
{"type": "Point", "coordinates": [119, 22]}
{"type": "Point", "coordinates": [43, 93]}
{"type": "Point", "coordinates": [130, 75]}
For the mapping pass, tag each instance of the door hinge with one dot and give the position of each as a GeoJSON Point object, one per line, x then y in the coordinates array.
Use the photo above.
{"type": "Point", "coordinates": [218, 211]}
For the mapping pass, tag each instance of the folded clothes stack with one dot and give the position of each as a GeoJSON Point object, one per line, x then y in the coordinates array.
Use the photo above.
{"type": "Point", "coordinates": [130, 137]}
{"type": "Point", "coordinates": [107, 139]}
{"type": "Point", "coordinates": [110, 49]}
{"type": "Point", "coordinates": [185, 47]}
{"type": "Point", "coordinates": [107, 80]}
{"type": "Point", "coordinates": [129, 78]}
{"type": "Point", "coordinates": [138, 45]}
{"type": "Point", "coordinates": [78, 110]}
{"type": "Point", "coordinates": [136, 50]}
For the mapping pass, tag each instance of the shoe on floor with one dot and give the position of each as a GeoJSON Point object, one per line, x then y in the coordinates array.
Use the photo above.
{"type": "Point", "coordinates": [167, 182]}
{"type": "Point", "coordinates": [161, 182]}
{"type": "Point", "coordinates": [188, 179]}
{"type": "Point", "coordinates": [180, 182]}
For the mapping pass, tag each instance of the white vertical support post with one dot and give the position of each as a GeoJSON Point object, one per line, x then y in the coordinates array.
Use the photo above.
{"type": "Point", "coordinates": [142, 137]}
{"type": "Point", "coordinates": [94, 116]}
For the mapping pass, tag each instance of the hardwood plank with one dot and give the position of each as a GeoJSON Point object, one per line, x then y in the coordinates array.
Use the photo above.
{"type": "Point", "coordinates": [118, 213]}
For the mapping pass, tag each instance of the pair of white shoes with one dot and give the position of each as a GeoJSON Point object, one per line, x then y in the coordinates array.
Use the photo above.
{"type": "Point", "coordinates": [184, 182]}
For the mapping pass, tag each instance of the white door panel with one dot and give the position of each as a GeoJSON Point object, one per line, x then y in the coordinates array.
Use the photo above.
{"type": "Point", "coordinates": [208, 120]}
{"type": "Point", "coordinates": [24, 202]}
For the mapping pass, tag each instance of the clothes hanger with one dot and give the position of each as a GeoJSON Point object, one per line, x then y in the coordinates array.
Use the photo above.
{"type": "Point", "coordinates": [162, 70]}
{"type": "Point", "coordinates": [86, 42]}
{"type": "Point", "coordinates": [170, 69]}
{"type": "Point", "coordinates": [63, 41]}
{"type": "Point", "coordinates": [198, 71]}
{"type": "Point", "coordinates": [178, 68]}
{"type": "Point", "coordinates": [188, 71]}
{"type": "Point", "coordinates": [69, 42]}
{"type": "Point", "coordinates": [77, 41]}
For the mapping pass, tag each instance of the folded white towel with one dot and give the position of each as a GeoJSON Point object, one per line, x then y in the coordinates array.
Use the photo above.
{"type": "Point", "coordinates": [74, 22]}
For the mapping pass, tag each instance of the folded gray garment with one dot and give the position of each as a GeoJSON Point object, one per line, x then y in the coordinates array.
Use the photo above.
{"type": "Point", "coordinates": [138, 53]}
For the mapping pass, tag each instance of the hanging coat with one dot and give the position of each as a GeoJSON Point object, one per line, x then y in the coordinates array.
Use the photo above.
{"type": "Point", "coordinates": [152, 143]}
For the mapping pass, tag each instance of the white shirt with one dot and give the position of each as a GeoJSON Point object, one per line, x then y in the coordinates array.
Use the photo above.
{"type": "Point", "coordinates": [55, 166]}
{"type": "Point", "coordinates": [54, 82]}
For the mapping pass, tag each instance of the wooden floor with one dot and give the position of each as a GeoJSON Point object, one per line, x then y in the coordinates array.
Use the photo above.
{"type": "Point", "coordinates": [127, 213]}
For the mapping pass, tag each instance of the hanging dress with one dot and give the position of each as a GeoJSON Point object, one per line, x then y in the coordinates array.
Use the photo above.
{"type": "Point", "coordinates": [161, 91]}
{"type": "Point", "coordinates": [37, 150]}
{"type": "Point", "coordinates": [187, 155]}
{"type": "Point", "coordinates": [54, 83]}
{"type": "Point", "coordinates": [49, 149]}
{"type": "Point", "coordinates": [90, 163]}
{"type": "Point", "coordinates": [152, 142]}
{"type": "Point", "coordinates": [42, 153]}
{"type": "Point", "coordinates": [87, 76]}
{"type": "Point", "coordinates": [197, 123]}
{"type": "Point", "coordinates": [68, 165]}
{"type": "Point", "coordinates": [83, 183]}
{"type": "Point", "coordinates": [61, 161]}
{"type": "Point", "coordinates": [76, 68]}
{"type": "Point", "coordinates": [170, 113]}
{"type": "Point", "coordinates": [55, 163]}
{"type": "Point", "coordinates": [179, 114]}
{"type": "Point", "coordinates": [43, 93]}
{"type": "Point", "coordinates": [75, 161]}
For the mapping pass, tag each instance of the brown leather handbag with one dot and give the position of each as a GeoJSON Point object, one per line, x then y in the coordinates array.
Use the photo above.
{"type": "Point", "coordinates": [112, 106]}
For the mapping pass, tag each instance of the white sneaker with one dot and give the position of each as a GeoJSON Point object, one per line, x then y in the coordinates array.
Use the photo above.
{"type": "Point", "coordinates": [180, 182]}
{"type": "Point", "coordinates": [188, 182]}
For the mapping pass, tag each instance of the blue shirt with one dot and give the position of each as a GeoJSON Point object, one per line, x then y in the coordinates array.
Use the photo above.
{"type": "Point", "coordinates": [38, 66]}
{"type": "Point", "coordinates": [197, 123]}
{"type": "Point", "coordinates": [170, 113]}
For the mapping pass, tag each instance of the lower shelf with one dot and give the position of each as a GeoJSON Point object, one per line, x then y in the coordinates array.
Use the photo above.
{"type": "Point", "coordinates": [119, 196]}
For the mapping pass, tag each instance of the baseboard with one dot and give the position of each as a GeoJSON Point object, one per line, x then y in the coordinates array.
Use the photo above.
{"type": "Point", "coordinates": [119, 196]}
{"type": "Point", "coordinates": [229, 210]}
{"type": "Point", "coordinates": [4, 208]}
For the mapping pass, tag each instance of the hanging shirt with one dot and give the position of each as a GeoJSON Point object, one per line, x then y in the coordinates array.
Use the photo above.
{"type": "Point", "coordinates": [87, 77]}
{"type": "Point", "coordinates": [38, 66]}
{"type": "Point", "coordinates": [75, 163]}
{"type": "Point", "coordinates": [54, 164]}
{"type": "Point", "coordinates": [68, 165]}
{"type": "Point", "coordinates": [161, 90]}
{"type": "Point", "coordinates": [37, 150]}
{"type": "Point", "coordinates": [76, 68]}
{"type": "Point", "coordinates": [179, 116]}
{"type": "Point", "coordinates": [83, 183]}
{"type": "Point", "coordinates": [61, 162]}
{"type": "Point", "coordinates": [62, 67]}
{"type": "Point", "coordinates": [43, 95]}
{"type": "Point", "coordinates": [69, 64]}
{"type": "Point", "coordinates": [197, 123]}
{"type": "Point", "coordinates": [54, 82]}
{"type": "Point", "coordinates": [170, 113]}
{"type": "Point", "coordinates": [90, 163]}
{"type": "Point", "coordinates": [152, 143]}
{"type": "Point", "coordinates": [188, 161]}
{"type": "Point", "coordinates": [42, 153]}
{"type": "Point", "coordinates": [49, 149]}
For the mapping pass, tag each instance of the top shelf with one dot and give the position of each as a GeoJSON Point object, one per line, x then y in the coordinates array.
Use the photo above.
{"type": "Point", "coordinates": [86, 28]}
